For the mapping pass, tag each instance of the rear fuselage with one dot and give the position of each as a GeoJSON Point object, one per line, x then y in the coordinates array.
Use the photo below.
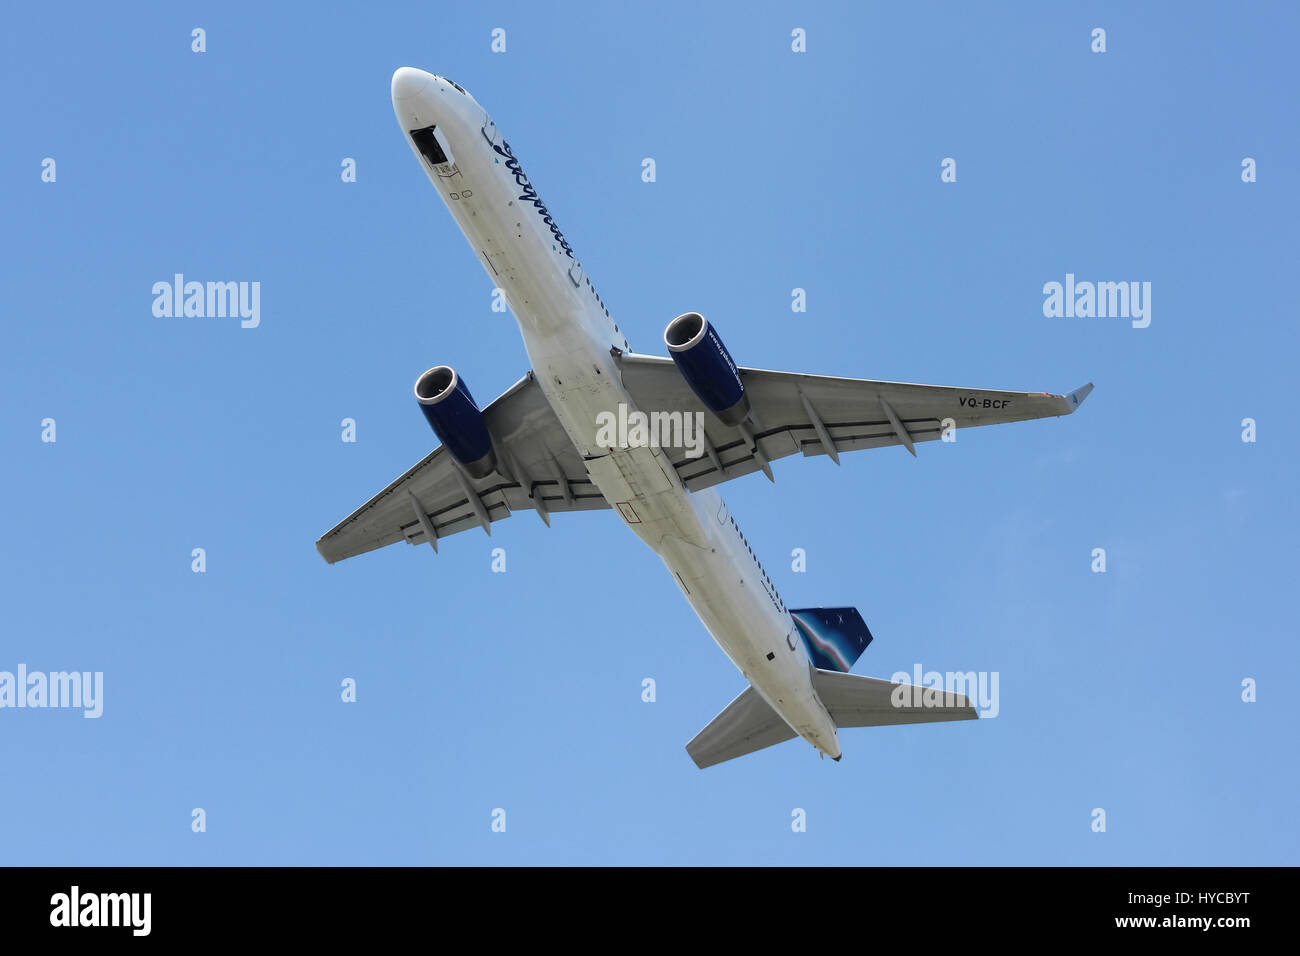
{"type": "Point", "coordinates": [572, 340]}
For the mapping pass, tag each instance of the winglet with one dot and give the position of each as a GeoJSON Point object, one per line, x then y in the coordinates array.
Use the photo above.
{"type": "Point", "coordinates": [1075, 398]}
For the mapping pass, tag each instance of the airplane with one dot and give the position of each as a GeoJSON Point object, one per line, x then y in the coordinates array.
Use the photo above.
{"type": "Point", "coordinates": [540, 446]}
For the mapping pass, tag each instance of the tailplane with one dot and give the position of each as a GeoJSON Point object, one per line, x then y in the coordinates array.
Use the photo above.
{"type": "Point", "coordinates": [749, 723]}
{"type": "Point", "coordinates": [856, 701]}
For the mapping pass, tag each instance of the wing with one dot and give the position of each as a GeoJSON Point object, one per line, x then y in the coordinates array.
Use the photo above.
{"type": "Point", "coordinates": [539, 469]}
{"type": "Point", "coordinates": [818, 415]}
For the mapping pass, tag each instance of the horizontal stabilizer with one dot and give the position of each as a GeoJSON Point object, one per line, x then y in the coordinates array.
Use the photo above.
{"type": "Point", "coordinates": [855, 701]}
{"type": "Point", "coordinates": [747, 724]}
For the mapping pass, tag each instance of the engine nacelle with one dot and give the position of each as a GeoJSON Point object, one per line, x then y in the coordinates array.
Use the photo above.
{"type": "Point", "coordinates": [456, 420]}
{"type": "Point", "coordinates": [707, 366]}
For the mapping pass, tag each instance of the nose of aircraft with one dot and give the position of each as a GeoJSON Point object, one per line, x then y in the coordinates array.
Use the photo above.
{"type": "Point", "coordinates": [409, 83]}
{"type": "Point", "coordinates": [421, 99]}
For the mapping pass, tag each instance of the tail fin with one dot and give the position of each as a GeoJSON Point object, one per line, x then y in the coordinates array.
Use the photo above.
{"type": "Point", "coordinates": [835, 636]}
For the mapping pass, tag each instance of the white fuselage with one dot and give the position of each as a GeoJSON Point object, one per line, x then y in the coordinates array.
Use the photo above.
{"type": "Point", "coordinates": [568, 334]}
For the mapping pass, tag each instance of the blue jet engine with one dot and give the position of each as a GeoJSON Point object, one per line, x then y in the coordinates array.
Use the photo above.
{"type": "Point", "coordinates": [707, 366]}
{"type": "Point", "coordinates": [456, 419]}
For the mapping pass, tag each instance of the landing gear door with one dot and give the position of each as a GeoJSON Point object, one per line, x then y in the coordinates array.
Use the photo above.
{"type": "Point", "coordinates": [435, 149]}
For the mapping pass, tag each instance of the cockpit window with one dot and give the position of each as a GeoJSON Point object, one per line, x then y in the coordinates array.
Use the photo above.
{"type": "Point", "coordinates": [452, 82]}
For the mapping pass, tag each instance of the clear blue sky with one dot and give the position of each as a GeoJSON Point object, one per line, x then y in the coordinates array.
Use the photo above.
{"type": "Point", "coordinates": [521, 690]}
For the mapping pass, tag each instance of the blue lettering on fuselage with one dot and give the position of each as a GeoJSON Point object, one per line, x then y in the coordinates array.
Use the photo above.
{"type": "Point", "coordinates": [529, 194]}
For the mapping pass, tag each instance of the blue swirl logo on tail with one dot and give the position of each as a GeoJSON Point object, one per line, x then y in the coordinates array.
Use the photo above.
{"type": "Point", "coordinates": [835, 636]}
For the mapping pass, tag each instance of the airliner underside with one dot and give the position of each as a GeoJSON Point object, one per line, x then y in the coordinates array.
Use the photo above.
{"type": "Point", "coordinates": [542, 446]}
